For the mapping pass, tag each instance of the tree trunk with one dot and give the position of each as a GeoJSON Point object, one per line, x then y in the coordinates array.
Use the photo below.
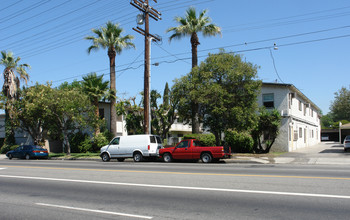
{"type": "Point", "coordinates": [195, 118]}
{"type": "Point", "coordinates": [195, 106]}
{"type": "Point", "coordinates": [113, 111]}
{"type": "Point", "coordinates": [97, 115]}
{"type": "Point", "coordinates": [67, 142]}
{"type": "Point", "coordinates": [194, 44]}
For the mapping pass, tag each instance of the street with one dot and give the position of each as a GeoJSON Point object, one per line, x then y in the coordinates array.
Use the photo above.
{"type": "Point", "coordinates": [47, 189]}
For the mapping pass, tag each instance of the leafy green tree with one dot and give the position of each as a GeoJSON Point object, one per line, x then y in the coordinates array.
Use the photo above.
{"type": "Point", "coordinates": [13, 73]}
{"type": "Point", "coordinates": [29, 111]}
{"type": "Point", "coordinates": [133, 115]}
{"type": "Point", "coordinates": [191, 25]}
{"type": "Point", "coordinates": [226, 90]}
{"type": "Point", "coordinates": [163, 115]}
{"type": "Point", "coordinates": [96, 89]}
{"type": "Point", "coordinates": [69, 110]}
{"type": "Point", "coordinates": [340, 107]}
{"type": "Point", "coordinates": [110, 37]}
{"type": "Point", "coordinates": [266, 130]}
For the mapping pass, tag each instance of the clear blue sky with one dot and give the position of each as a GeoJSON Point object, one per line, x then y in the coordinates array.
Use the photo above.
{"type": "Point", "coordinates": [312, 37]}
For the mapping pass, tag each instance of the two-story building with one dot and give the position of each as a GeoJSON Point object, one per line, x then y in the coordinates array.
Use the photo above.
{"type": "Point", "coordinates": [300, 126]}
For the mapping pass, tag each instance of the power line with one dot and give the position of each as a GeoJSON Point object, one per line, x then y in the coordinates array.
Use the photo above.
{"type": "Point", "coordinates": [11, 5]}
{"type": "Point", "coordinates": [36, 15]}
{"type": "Point", "coordinates": [23, 11]}
{"type": "Point", "coordinates": [232, 52]}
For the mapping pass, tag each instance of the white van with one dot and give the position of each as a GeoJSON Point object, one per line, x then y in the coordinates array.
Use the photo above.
{"type": "Point", "coordinates": [132, 146]}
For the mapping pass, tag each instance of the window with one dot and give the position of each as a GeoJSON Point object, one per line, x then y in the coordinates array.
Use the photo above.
{"type": "Point", "coordinates": [295, 137]}
{"type": "Point", "coordinates": [101, 112]}
{"type": "Point", "coordinates": [152, 139]}
{"type": "Point", "coordinates": [300, 106]}
{"type": "Point", "coordinates": [159, 141]}
{"type": "Point", "coordinates": [268, 100]}
{"type": "Point", "coordinates": [305, 106]}
{"type": "Point", "coordinates": [300, 132]}
{"type": "Point", "coordinates": [115, 141]}
{"type": "Point", "coordinates": [183, 144]}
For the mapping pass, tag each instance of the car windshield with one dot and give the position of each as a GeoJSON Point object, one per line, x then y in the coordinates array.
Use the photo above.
{"type": "Point", "coordinates": [38, 148]}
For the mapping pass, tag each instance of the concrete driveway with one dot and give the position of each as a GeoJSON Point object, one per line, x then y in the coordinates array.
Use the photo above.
{"type": "Point", "coordinates": [322, 153]}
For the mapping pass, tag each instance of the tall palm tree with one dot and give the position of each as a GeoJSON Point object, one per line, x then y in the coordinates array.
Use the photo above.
{"type": "Point", "coordinates": [190, 25]}
{"type": "Point", "coordinates": [109, 37]}
{"type": "Point", "coordinates": [96, 89]}
{"type": "Point", "coordinates": [13, 73]}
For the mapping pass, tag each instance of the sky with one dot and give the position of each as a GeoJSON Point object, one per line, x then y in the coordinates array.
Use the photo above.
{"type": "Point", "coordinates": [311, 38]}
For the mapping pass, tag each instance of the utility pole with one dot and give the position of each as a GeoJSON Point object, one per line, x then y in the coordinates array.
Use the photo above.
{"type": "Point", "coordinates": [148, 12]}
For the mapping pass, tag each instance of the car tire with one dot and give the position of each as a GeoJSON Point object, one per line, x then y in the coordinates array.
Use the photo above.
{"type": "Point", "coordinates": [27, 156]}
{"type": "Point", "coordinates": [206, 158]}
{"type": "Point", "coordinates": [137, 157]}
{"type": "Point", "coordinates": [120, 159]}
{"type": "Point", "coordinates": [105, 157]}
{"type": "Point", "coordinates": [10, 156]}
{"type": "Point", "coordinates": [167, 157]}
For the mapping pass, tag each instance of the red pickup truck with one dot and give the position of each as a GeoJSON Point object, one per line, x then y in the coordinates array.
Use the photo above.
{"type": "Point", "coordinates": [192, 149]}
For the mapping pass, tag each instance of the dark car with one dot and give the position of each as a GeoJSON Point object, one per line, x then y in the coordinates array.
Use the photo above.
{"type": "Point", "coordinates": [28, 152]}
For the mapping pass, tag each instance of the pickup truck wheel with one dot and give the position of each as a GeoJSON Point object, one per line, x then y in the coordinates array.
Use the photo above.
{"type": "Point", "coordinates": [206, 158]}
{"type": "Point", "coordinates": [167, 158]}
{"type": "Point", "coordinates": [105, 157]}
{"type": "Point", "coordinates": [137, 157]}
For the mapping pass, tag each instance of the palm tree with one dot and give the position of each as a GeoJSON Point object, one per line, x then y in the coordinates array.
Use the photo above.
{"type": "Point", "coordinates": [109, 37]}
{"type": "Point", "coordinates": [13, 73]}
{"type": "Point", "coordinates": [190, 25]}
{"type": "Point", "coordinates": [96, 89]}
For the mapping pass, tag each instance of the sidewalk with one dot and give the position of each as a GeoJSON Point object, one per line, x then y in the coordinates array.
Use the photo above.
{"type": "Point", "coordinates": [331, 153]}
{"type": "Point", "coordinates": [325, 153]}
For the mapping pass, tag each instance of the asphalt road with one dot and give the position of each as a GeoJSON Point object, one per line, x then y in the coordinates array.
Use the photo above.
{"type": "Point", "coordinates": [41, 189]}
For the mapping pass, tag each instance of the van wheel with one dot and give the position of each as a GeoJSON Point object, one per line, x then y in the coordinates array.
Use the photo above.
{"type": "Point", "coordinates": [121, 159]}
{"type": "Point", "coordinates": [137, 157]}
{"type": "Point", "coordinates": [206, 158]}
{"type": "Point", "coordinates": [10, 157]}
{"type": "Point", "coordinates": [105, 157]}
{"type": "Point", "coordinates": [167, 158]}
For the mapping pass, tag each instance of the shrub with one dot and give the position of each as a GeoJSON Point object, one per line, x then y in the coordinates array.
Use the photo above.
{"type": "Point", "coordinates": [205, 139]}
{"type": "Point", "coordinates": [76, 141]}
{"type": "Point", "coordinates": [240, 142]}
{"type": "Point", "coordinates": [6, 148]}
{"type": "Point", "coordinates": [99, 141]}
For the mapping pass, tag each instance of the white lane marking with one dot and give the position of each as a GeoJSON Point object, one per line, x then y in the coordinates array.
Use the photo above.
{"type": "Point", "coordinates": [182, 187]}
{"type": "Point", "coordinates": [95, 211]}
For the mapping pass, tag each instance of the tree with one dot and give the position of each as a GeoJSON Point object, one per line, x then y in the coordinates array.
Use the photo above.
{"type": "Point", "coordinates": [69, 110]}
{"type": "Point", "coordinates": [109, 37]}
{"type": "Point", "coordinates": [340, 107]}
{"type": "Point", "coordinates": [96, 89]}
{"type": "Point", "coordinates": [29, 111]}
{"type": "Point", "coordinates": [163, 115]}
{"type": "Point", "coordinates": [226, 90]}
{"type": "Point", "coordinates": [133, 115]}
{"type": "Point", "coordinates": [266, 130]}
{"type": "Point", "coordinates": [13, 73]}
{"type": "Point", "coordinates": [190, 25]}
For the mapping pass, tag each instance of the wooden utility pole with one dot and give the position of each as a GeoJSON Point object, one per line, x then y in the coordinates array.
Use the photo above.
{"type": "Point", "coordinates": [148, 12]}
